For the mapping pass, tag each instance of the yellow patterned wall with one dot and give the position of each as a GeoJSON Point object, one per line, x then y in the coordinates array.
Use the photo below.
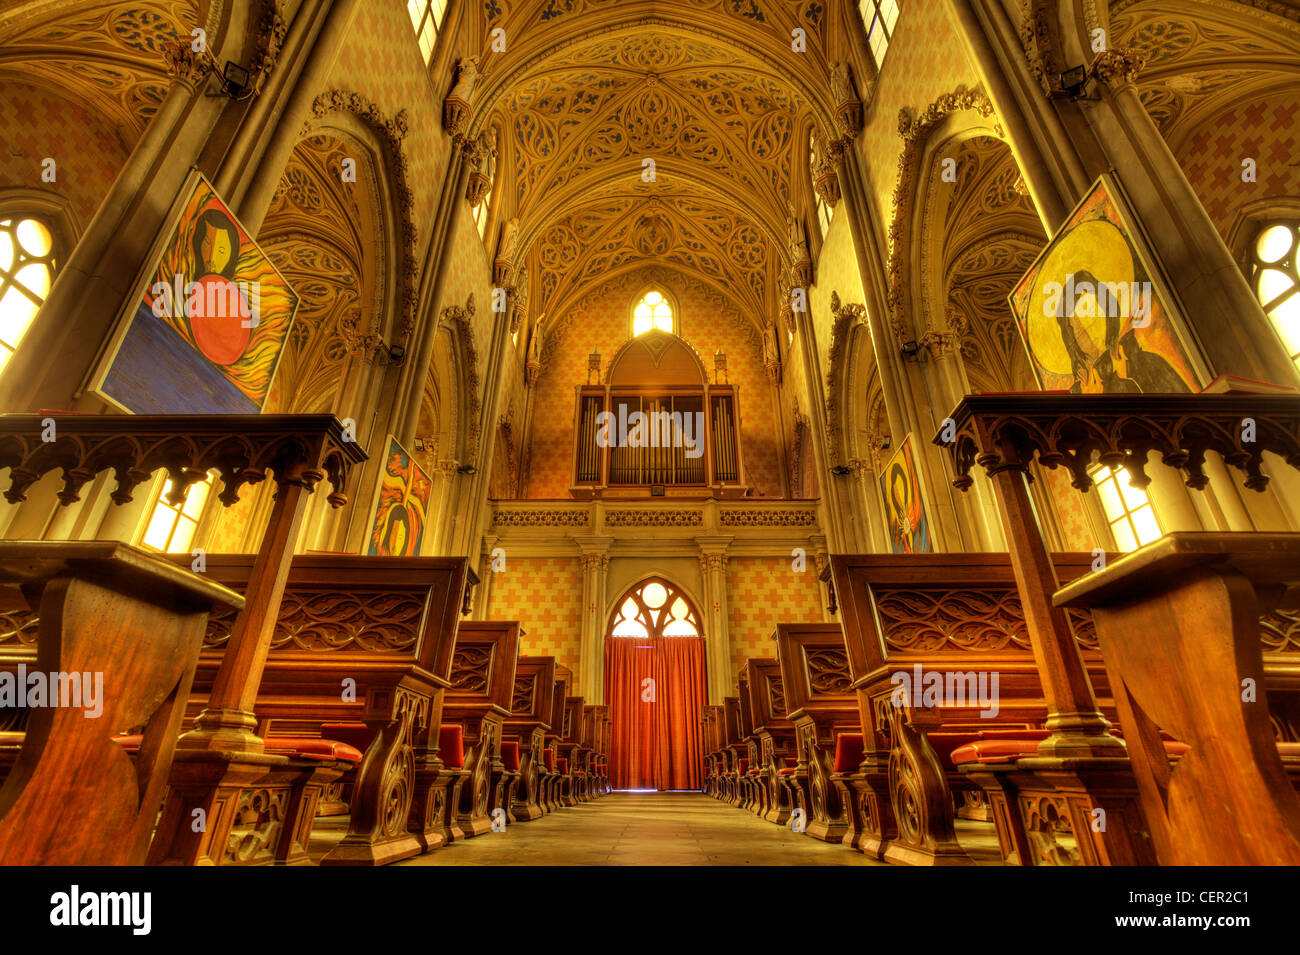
{"type": "Point", "coordinates": [545, 595]}
{"type": "Point", "coordinates": [765, 591]}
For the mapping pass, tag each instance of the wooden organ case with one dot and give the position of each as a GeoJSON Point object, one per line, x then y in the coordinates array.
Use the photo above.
{"type": "Point", "coordinates": [657, 427]}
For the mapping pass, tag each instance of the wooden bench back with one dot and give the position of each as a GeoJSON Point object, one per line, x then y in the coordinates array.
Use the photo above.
{"type": "Point", "coordinates": [484, 665]}
{"type": "Point", "coordinates": [534, 694]}
{"type": "Point", "coordinates": [372, 620]}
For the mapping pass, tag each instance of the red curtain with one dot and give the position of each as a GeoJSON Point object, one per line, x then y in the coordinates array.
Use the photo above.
{"type": "Point", "coordinates": [655, 689]}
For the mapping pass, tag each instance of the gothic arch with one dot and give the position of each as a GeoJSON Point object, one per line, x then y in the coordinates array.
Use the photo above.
{"type": "Point", "coordinates": [949, 121]}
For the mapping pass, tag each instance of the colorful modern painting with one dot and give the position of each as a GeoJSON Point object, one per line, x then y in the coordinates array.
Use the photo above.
{"type": "Point", "coordinates": [905, 514]}
{"type": "Point", "coordinates": [401, 506]}
{"type": "Point", "coordinates": [210, 324]}
{"type": "Point", "coordinates": [1094, 315]}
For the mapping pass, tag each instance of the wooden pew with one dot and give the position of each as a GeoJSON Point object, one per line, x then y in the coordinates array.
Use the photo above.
{"type": "Point", "coordinates": [559, 778]}
{"type": "Point", "coordinates": [573, 751]}
{"type": "Point", "coordinates": [478, 699]}
{"type": "Point", "coordinates": [752, 791]}
{"type": "Point", "coordinates": [775, 735]}
{"type": "Point", "coordinates": [820, 705]}
{"type": "Point", "coordinates": [358, 642]}
{"type": "Point", "coordinates": [948, 614]}
{"type": "Point", "coordinates": [735, 750]}
{"type": "Point", "coordinates": [711, 735]}
{"type": "Point", "coordinates": [131, 624]}
{"type": "Point", "coordinates": [527, 725]}
{"type": "Point", "coordinates": [593, 729]}
{"type": "Point", "coordinates": [1196, 598]}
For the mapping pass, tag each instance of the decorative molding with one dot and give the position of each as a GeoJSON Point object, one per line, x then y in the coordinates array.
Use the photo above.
{"type": "Point", "coordinates": [768, 517]}
{"type": "Point", "coordinates": [540, 517]}
{"type": "Point", "coordinates": [844, 318]}
{"type": "Point", "coordinates": [655, 517]}
{"type": "Point", "coordinates": [915, 130]}
{"type": "Point", "coordinates": [1117, 68]}
{"type": "Point", "coordinates": [391, 133]}
{"type": "Point", "coordinates": [461, 318]}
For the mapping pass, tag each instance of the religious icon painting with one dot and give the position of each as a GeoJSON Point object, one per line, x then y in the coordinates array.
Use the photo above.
{"type": "Point", "coordinates": [1095, 315]}
{"type": "Point", "coordinates": [401, 506]}
{"type": "Point", "coordinates": [906, 519]}
{"type": "Point", "coordinates": [209, 326]}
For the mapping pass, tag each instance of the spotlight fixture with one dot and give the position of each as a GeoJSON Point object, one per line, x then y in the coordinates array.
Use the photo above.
{"type": "Point", "coordinates": [1073, 80]}
{"type": "Point", "coordinates": [397, 354]}
{"type": "Point", "coordinates": [909, 349]}
{"type": "Point", "coordinates": [234, 79]}
{"type": "Point", "coordinates": [467, 469]}
{"type": "Point", "coordinates": [419, 444]}
{"type": "Point", "coordinates": [840, 470]}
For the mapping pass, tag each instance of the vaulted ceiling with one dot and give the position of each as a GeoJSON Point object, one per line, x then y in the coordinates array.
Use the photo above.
{"type": "Point", "coordinates": [710, 91]}
{"type": "Point", "coordinates": [105, 55]}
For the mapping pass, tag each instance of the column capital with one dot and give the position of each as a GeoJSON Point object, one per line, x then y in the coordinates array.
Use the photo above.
{"type": "Point", "coordinates": [1118, 68]}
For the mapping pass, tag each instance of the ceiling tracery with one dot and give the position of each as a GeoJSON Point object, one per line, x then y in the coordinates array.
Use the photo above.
{"type": "Point", "coordinates": [1198, 66]}
{"type": "Point", "coordinates": [585, 108]}
{"type": "Point", "coordinates": [106, 55]}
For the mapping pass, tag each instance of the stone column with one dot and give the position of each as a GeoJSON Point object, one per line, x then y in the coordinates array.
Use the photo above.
{"type": "Point", "coordinates": [595, 566]}
{"type": "Point", "coordinates": [713, 569]}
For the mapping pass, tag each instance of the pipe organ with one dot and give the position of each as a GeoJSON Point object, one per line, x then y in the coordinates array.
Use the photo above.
{"type": "Point", "coordinates": [631, 442]}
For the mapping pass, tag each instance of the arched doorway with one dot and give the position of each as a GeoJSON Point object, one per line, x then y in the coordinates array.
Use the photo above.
{"type": "Point", "coordinates": [655, 685]}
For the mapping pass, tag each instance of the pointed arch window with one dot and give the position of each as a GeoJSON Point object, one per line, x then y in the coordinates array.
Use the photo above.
{"type": "Point", "coordinates": [653, 311]}
{"type": "Point", "coordinates": [26, 273]}
{"type": "Point", "coordinates": [426, 19]}
{"type": "Point", "coordinates": [879, 17]}
{"type": "Point", "coordinates": [1275, 278]}
{"type": "Point", "coordinates": [656, 608]}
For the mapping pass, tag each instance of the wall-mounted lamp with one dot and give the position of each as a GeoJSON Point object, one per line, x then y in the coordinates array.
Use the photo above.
{"type": "Point", "coordinates": [397, 354]}
{"type": "Point", "coordinates": [910, 349]}
{"type": "Point", "coordinates": [467, 469]}
{"type": "Point", "coordinates": [1073, 81]}
{"type": "Point", "coordinates": [234, 79]}
{"type": "Point", "coordinates": [840, 470]}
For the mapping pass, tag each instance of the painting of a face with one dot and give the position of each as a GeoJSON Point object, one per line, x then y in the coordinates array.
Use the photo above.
{"type": "Point", "coordinates": [401, 506]}
{"type": "Point", "coordinates": [908, 525]}
{"type": "Point", "coordinates": [215, 245]}
{"type": "Point", "coordinates": [211, 323]}
{"type": "Point", "coordinates": [1095, 319]}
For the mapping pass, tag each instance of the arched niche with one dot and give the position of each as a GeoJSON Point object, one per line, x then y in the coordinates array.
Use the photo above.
{"type": "Point", "coordinates": [657, 358]}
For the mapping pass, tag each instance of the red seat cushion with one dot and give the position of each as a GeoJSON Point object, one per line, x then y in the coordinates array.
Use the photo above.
{"type": "Point", "coordinates": [792, 760]}
{"type": "Point", "coordinates": [548, 758]}
{"type": "Point", "coordinates": [994, 751]}
{"type": "Point", "coordinates": [451, 745]}
{"type": "Point", "coordinates": [564, 766]}
{"type": "Point", "coordinates": [308, 747]}
{"type": "Point", "coordinates": [788, 771]}
{"type": "Point", "coordinates": [744, 765]}
{"type": "Point", "coordinates": [510, 755]}
{"type": "Point", "coordinates": [130, 742]}
{"type": "Point", "coordinates": [356, 734]}
{"type": "Point", "coordinates": [848, 752]}
{"type": "Point", "coordinates": [1289, 750]}
{"type": "Point", "coordinates": [579, 772]}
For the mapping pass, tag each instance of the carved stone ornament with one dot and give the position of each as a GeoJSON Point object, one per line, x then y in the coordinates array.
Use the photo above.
{"type": "Point", "coordinates": [391, 132]}
{"type": "Point", "coordinates": [914, 129]}
{"type": "Point", "coordinates": [848, 108]}
{"type": "Point", "coordinates": [461, 319]}
{"type": "Point", "coordinates": [457, 107]}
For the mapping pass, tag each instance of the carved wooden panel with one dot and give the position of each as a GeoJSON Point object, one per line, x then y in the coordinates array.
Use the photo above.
{"type": "Point", "coordinates": [967, 618]}
{"type": "Point", "coordinates": [521, 703]}
{"type": "Point", "coordinates": [330, 620]}
{"type": "Point", "coordinates": [828, 671]}
{"type": "Point", "coordinates": [471, 668]}
{"type": "Point", "coordinates": [18, 628]}
{"type": "Point", "coordinates": [1279, 631]}
{"type": "Point", "coordinates": [776, 696]}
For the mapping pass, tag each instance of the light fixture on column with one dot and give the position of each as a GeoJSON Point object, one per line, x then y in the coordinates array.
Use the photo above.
{"type": "Point", "coordinates": [234, 79]}
{"type": "Point", "coordinates": [1073, 81]}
